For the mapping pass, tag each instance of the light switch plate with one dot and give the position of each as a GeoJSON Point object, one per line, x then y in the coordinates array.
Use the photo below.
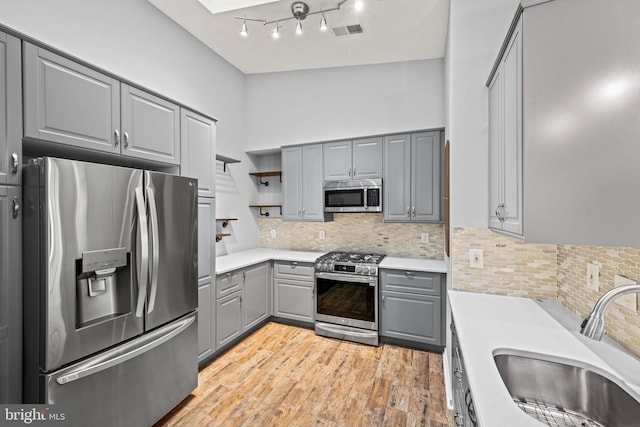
{"type": "Point", "coordinates": [593, 276]}
{"type": "Point", "coordinates": [630, 301]}
{"type": "Point", "coordinates": [476, 258]}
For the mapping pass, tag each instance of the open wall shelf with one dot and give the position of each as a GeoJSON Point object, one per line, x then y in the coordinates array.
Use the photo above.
{"type": "Point", "coordinates": [225, 161]}
{"type": "Point", "coordinates": [266, 213]}
{"type": "Point", "coordinates": [261, 175]}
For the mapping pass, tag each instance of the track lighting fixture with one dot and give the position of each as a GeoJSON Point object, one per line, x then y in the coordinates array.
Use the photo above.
{"type": "Point", "coordinates": [299, 12]}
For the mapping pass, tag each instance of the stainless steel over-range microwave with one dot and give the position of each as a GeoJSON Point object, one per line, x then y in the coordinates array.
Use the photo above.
{"type": "Point", "coordinates": [358, 195]}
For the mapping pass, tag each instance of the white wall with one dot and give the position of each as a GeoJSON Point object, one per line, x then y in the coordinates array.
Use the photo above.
{"type": "Point", "coordinates": [134, 40]}
{"type": "Point", "coordinates": [476, 32]}
{"type": "Point", "coordinates": [319, 105]}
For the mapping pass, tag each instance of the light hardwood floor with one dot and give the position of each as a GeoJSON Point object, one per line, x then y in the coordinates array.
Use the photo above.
{"type": "Point", "coordinates": [287, 376]}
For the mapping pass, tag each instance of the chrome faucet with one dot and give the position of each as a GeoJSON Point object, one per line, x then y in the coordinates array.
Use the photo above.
{"type": "Point", "coordinates": [593, 326]}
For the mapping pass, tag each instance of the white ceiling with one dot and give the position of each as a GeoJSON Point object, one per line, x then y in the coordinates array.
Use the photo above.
{"type": "Point", "coordinates": [393, 31]}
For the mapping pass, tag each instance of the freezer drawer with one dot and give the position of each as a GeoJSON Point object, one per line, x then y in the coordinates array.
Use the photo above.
{"type": "Point", "coordinates": [144, 379]}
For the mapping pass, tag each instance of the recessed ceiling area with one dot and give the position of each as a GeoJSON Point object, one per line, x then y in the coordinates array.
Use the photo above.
{"type": "Point", "coordinates": [389, 31]}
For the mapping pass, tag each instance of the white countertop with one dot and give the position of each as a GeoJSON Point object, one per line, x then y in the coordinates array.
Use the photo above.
{"type": "Point", "coordinates": [487, 324]}
{"type": "Point", "coordinates": [249, 257]}
{"type": "Point", "coordinates": [414, 264]}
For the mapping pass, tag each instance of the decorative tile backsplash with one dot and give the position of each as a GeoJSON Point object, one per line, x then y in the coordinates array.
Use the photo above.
{"type": "Point", "coordinates": [510, 266]}
{"type": "Point", "coordinates": [355, 232]}
{"type": "Point", "coordinates": [622, 323]}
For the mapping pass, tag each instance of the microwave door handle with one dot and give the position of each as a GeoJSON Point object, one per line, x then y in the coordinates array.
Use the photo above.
{"type": "Point", "coordinates": [155, 248]}
{"type": "Point", "coordinates": [144, 252]}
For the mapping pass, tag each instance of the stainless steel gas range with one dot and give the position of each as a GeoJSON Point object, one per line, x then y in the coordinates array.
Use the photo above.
{"type": "Point", "coordinates": [346, 289]}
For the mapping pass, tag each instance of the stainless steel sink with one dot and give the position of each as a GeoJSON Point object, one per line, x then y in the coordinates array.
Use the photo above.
{"type": "Point", "coordinates": [559, 394]}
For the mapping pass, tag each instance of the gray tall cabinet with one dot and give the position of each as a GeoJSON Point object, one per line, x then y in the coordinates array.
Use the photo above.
{"type": "Point", "coordinates": [412, 177]}
{"type": "Point", "coordinates": [198, 149]}
{"type": "Point", "coordinates": [10, 221]}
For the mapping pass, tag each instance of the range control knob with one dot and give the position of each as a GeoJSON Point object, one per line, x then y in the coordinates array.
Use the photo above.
{"type": "Point", "coordinates": [358, 269]}
{"type": "Point", "coordinates": [372, 271]}
{"type": "Point", "coordinates": [365, 270]}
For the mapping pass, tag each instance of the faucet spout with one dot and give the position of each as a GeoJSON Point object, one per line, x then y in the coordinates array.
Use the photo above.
{"type": "Point", "coordinates": [593, 326]}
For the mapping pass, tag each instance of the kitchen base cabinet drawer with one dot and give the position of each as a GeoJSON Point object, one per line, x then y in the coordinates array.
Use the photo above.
{"type": "Point", "coordinates": [228, 283]}
{"type": "Point", "coordinates": [412, 317]}
{"type": "Point", "coordinates": [293, 300]}
{"type": "Point", "coordinates": [293, 270]}
{"type": "Point", "coordinates": [411, 281]}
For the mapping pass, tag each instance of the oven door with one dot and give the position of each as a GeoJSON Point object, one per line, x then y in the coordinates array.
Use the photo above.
{"type": "Point", "coordinates": [347, 300]}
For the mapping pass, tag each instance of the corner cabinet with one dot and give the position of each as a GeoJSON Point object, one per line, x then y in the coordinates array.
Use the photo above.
{"type": "Point", "coordinates": [505, 139]}
{"type": "Point", "coordinates": [302, 183]}
{"type": "Point", "coordinates": [412, 306]}
{"type": "Point", "coordinates": [358, 159]}
{"type": "Point", "coordinates": [68, 103]}
{"type": "Point", "coordinates": [412, 177]}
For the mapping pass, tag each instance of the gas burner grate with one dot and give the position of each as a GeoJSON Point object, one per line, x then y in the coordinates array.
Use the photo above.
{"type": "Point", "coordinates": [554, 416]}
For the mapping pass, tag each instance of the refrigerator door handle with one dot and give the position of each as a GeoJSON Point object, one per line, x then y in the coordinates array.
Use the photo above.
{"type": "Point", "coordinates": [144, 253]}
{"type": "Point", "coordinates": [155, 248]}
{"type": "Point", "coordinates": [129, 351]}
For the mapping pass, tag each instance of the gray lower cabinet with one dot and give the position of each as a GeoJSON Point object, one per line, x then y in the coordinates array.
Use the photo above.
{"type": "Point", "coordinates": [293, 291]}
{"type": "Point", "coordinates": [69, 103]}
{"type": "Point", "coordinates": [412, 177]}
{"type": "Point", "coordinates": [10, 295]}
{"type": "Point", "coordinates": [10, 111]}
{"type": "Point", "coordinates": [206, 273]}
{"type": "Point", "coordinates": [412, 306]}
{"type": "Point", "coordinates": [243, 300]}
{"type": "Point", "coordinates": [302, 197]}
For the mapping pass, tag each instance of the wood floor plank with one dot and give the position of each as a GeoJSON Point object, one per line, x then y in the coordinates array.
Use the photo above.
{"type": "Point", "coordinates": [287, 376]}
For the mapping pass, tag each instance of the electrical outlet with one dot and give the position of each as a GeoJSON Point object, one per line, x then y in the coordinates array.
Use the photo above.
{"type": "Point", "coordinates": [273, 233]}
{"type": "Point", "coordinates": [424, 238]}
{"type": "Point", "coordinates": [630, 301]}
{"type": "Point", "coordinates": [321, 235]}
{"type": "Point", "coordinates": [593, 276]}
{"type": "Point", "coordinates": [476, 258]}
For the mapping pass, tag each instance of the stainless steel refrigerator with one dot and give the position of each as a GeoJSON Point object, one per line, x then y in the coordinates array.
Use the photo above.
{"type": "Point", "coordinates": [110, 291]}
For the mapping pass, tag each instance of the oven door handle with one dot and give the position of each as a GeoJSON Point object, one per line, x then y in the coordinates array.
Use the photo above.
{"type": "Point", "coordinates": [370, 280]}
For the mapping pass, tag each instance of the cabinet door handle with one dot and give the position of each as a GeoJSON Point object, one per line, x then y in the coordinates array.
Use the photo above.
{"type": "Point", "coordinates": [458, 419]}
{"type": "Point", "coordinates": [240, 299]}
{"type": "Point", "coordinates": [116, 134]}
{"type": "Point", "coordinates": [354, 172]}
{"type": "Point", "coordinates": [14, 163]}
{"type": "Point", "coordinates": [408, 211]}
{"type": "Point", "coordinates": [126, 140]}
{"type": "Point", "coordinates": [304, 211]}
{"type": "Point", "coordinates": [413, 211]}
{"type": "Point", "coordinates": [349, 172]}
{"type": "Point", "coordinates": [16, 207]}
{"type": "Point", "coordinates": [299, 212]}
{"type": "Point", "coordinates": [383, 299]}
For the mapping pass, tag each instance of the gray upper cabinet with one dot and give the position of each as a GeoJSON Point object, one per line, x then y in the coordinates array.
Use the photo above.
{"type": "Point", "coordinates": [198, 150]}
{"type": "Point", "coordinates": [302, 183]}
{"type": "Point", "coordinates": [68, 103]}
{"type": "Point", "coordinates": [10, 111]}
{"type": "Point", "coordinates": [11, 294]}
{"type": "Point", "coordinates": [150, 126]}
{"type": "Point", "coordinates": [505, 140]}
{"type": "Point", "coordinates": [412, 177]}
{"type": "Point", "coordinates": [358, 159]}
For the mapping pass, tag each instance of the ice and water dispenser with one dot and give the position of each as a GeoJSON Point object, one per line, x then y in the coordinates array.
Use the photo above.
{"type": "Point", "coordinates": [103, 286]}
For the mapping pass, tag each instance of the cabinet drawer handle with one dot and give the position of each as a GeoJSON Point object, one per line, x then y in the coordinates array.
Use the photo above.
{"type": "Point", "coordinates": [294, 264]}
{"type": "Point", "coordinates": [14, 163]}
{"type": "Point", "coordinates": [116, 134]}
{"type": "Point", "coordinates": [410, 274]}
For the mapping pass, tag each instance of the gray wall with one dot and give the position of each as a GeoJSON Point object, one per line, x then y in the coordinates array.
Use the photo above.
{"type": "Point", "coordinates": [334, 103]}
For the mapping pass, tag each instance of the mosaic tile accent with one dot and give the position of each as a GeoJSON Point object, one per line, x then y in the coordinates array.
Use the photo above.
{"type": "Point", "coordinates": [511, 267]}
{"type": "Point", "coordinates": [355, 232]}
{"type": "Point", "coordinates": [622, 324]}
